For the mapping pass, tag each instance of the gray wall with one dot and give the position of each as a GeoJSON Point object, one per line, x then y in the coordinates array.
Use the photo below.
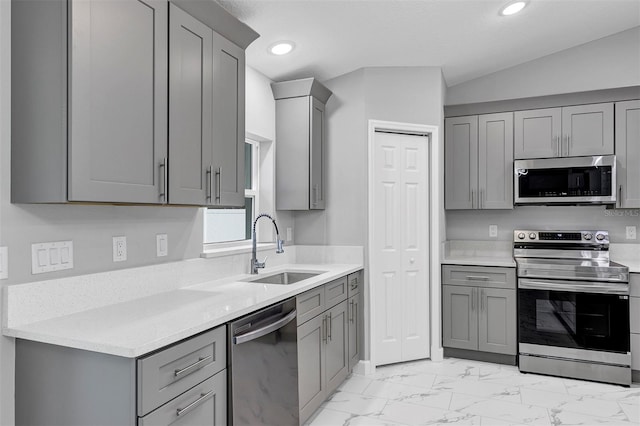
{"type": "Point", "coordinates": [609, 62]}
{"type": "Point", "coordinates": [404, 94]}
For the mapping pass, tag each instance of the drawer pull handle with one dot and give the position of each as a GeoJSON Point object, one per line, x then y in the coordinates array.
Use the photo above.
{"type": "Point", "coordinates": [477, 278]}
{"type": "Point", "coordinates": [198, 364]}
{"type": "Point", "coordinates": [203, 398]}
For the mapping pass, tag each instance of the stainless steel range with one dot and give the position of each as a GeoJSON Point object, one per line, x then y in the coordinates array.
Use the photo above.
{"type": "Point", "coordinates": [573, 306]}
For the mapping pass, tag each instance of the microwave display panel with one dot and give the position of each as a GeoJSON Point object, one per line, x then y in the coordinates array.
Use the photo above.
{"type": "Point", "coordinates": [586, 181]}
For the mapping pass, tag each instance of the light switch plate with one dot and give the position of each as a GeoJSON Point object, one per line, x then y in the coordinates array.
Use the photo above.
{"type": "Point", "coordinates": [4, 263]}
{"type": "Point", "coordinates": [119, 249]}
{"type": "Point", "coordinates": [162, 245]}
{"type": "Point", "coordinates": [50, 257]}
{"type": "Point", "coordinates": [493, 231]}
{"type": "Point", "coordinates": [631, 232]}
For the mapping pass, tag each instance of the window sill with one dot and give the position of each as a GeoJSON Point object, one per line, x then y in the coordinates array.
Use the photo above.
{"type": "Point", "coordinates": [241, 248]}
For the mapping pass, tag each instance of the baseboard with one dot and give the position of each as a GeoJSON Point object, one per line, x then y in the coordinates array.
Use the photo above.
{"type": "Point", "coordinates": [635, 376]}
{"type": "Point", "coordinates": [364, 368]}
{"type": "Point", "coordinates": [437, 353]}
{"type": "Point", "coordinates": [480, 356]}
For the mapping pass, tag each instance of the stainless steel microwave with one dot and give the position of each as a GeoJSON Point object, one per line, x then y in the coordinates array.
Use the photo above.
{"type": "Point", "coordinates": [565, 181]}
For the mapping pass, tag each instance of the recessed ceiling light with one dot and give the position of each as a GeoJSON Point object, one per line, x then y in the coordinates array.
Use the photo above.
{"type": "Point", "coordinates": [513, 8]}
{"type": "Point", "coordinates": [281, 48]}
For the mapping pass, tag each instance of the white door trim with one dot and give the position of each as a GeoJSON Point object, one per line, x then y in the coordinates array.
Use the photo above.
{"type": "Point", "coordinates": [435, 207]}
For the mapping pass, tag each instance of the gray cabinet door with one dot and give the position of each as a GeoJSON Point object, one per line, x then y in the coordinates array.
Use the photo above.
{"type": "Point", "coordinates": [495, 161]}
{"type": "Point", "coordinates": [311, 366]}
{"type": "Point", "coordinates": [628, 153]}
{"type": "Point", "coordinates": [461, 162]}
{"type": "Point", "coordinates": [537, 133]}
{"type": "Point", "coordinates": [587, 130]}
{"type": "Point", "coordinates": [460, 317]}
{"type": "Point", "coordinates": [118, 91]}
{"type": "Point", "coordinates": [337, 347]}
{"type": "Point", "coordinates": [497, 321]}
{"type": "Point", "coordinates": [355, 330]}
{"type": "Point", "coordinates": [228, 122]}
{"type": "Point", "coordinates": [190, 94]}
{"type": "Point", "coordinates": [316, 159]}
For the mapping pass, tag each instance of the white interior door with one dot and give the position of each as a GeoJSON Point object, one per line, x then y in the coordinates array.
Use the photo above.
{"type": "Point", "coordinates": [399, 244]}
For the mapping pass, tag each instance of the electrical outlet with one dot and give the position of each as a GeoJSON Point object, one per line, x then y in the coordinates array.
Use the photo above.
{"type": "Point", "coordinates": [4, 263]}
{"type": "Point", "coordinates": [631, 232]}
{"type": "Point", "coordinates": [289, 234]}
{"type": "Point", "coordinates": [162, 245]}
{"type": "Point", "coordinates": [119, 249]}
{"type": "Point", "coordinates": [493, 231]}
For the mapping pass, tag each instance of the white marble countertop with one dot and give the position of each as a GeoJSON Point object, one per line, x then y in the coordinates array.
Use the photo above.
{"type": "Point", "coordinates": [479, 253]}
{"type": "Point", "coordinates": [135, 327]}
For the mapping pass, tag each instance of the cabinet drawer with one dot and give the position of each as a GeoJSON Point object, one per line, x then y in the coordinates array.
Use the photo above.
{"type": "Point", "coordinates": [205, 404]}
{"type": "Point", "coordinates": [309, 304]}
{"type": "Point", "coordinates": [166, 374]}
{"type": "Point", "coordinates": [355, 281]}
{"type": "Point", "coordinates": [634, 314]}
{"type": "Point", "coordinates": [634, 285]}
{"type": "Point", "coordinates": [335, 292]}
{"type": "Point", "coordinates": [479, 276]}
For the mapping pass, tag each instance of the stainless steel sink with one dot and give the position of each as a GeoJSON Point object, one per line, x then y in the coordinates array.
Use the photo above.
{"type": "Point", "coordinates": [285, 278]}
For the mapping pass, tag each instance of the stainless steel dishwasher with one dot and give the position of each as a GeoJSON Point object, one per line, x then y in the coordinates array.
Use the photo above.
{"type": "Point", "coordinates": [263, 385]}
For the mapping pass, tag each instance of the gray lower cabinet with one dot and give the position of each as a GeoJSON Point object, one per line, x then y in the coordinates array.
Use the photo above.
{"type": "Point", "coordinates": [356, 317]}
{"type": "Point", "coordinates": [479, 162]}
{"type": "Point", "coordinates": [323, 345]}
{"type": "Point", "coordinates": [628, 153]}
{"type": "Point", "coordinates": [571, 131]}
{"type": "Point", "coordinates": [300, 125]}
{"type": "Point", "coordinates": [479, 309]}
{"type": "Point", "coordinates": [183, 384]}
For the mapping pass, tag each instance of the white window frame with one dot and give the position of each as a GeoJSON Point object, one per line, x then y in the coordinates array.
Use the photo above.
{"type": "Point", "coordinates": [253, 193]}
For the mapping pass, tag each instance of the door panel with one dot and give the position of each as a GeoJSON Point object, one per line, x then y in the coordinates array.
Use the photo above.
{"type": "Point", "coordinates": [589, 129]}
{"type": "Point", "coordinates": [399, 243]}
{"type": "Point", "coordinates": [228, 122]}
{"type": "Point", "coordinates": [190, 94]}
{"type": "Point", "coordinates": [461, 158]}
{"type": "Point", "coordinates": [460, 317]}
{"type": "Point", "coordinates": [118, 117]}
{"type": "Point", "coordinates": [495, 161]}
{"type": "Point", "coordinates": [537, 133]}
{"type": "Point", "coordinates": [628, 153]}
{"type": "Point", "coordinates": [497, 321]}
{"type": "Point", "coordinates": [311, 366]}
{"type": "Point", "coordinates": [316, 161]}
{"type": "Point", "coordinates": [337, 348]}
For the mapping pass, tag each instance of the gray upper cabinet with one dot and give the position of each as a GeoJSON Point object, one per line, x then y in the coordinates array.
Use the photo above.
{"type": "Point", "coordinates": [190, 109]}
{"type": "Point", "coordinates": [300, 131]}
{"type": "Point", "coordinates": [228, 123]}
{"type": "Point", "coordinates": [101, 134]}
{"type": "Point", "coordinates": [90, 117]}
{"type": "Point", "coordinates": [570, 131]}
{"type": "Point", "coordinates": [479, 162]}
{"type": "Point", "coordinates": [628, 153]}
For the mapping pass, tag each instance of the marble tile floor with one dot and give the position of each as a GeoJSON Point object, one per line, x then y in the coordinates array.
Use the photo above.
{"type": "Point", "coordinates": [463, 392]}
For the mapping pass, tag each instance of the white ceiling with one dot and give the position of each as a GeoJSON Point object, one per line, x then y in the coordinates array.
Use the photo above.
{"type": "Point", "coordinates": [467, 38]}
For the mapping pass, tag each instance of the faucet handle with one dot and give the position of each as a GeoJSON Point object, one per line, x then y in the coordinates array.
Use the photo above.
{"type": "Point", "coordinates": [261, 264]}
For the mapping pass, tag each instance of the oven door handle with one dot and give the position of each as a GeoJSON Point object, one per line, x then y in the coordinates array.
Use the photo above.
{"type": "Point", "coordinates": [574, 287]}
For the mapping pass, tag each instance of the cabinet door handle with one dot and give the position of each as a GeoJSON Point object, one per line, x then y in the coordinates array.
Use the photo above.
{"type": "Point", "coordinates": [620, 196]}
{"type": "Point", "coordinates": [209, 182]}
{"type": "Point", "coordinates": [203, 398]}
{"type": "Point", "coordinates": [481, 300]}
{"type": "Point", "coordinates": [314, 195]}
{"type": "Point", "coordinates": [473, 299]}
{"type": "Point", "coordinates": [163, 180]}
{"type": "Point", "coordinates": [329, 327]}
{"type": "Point", "coordinates": [324, 329]}
{"type": "Point", "coordinates": [351, 311]}
{"type": "Point", "coordinates": [198, 364]}
{"type": "Point", "coordinates": [481, 199]}
{"type": "Point", "coordinates": [554, 145]}
{"type": "Point", "coordinates": [219, 184]}
{"type": "Point", "coordinates": [568, 145]}
{"type": "Point", "coordinates": [473, 193]}
{"type": "Point", "coordinates": [477, 278]}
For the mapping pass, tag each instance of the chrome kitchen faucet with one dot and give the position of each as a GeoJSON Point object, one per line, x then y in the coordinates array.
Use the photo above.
{"type": "Point", "coordinates": [255, 265]}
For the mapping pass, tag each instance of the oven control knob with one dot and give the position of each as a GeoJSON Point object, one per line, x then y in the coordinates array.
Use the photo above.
{"type": "Point", "coordinates": [532, 236]}
{"type": "Point", "coordinates": [521, 235]}
{"type": "Point", "coordinates": [599, 237]}
{"type": "Point", "coordinates": [588, 236]}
